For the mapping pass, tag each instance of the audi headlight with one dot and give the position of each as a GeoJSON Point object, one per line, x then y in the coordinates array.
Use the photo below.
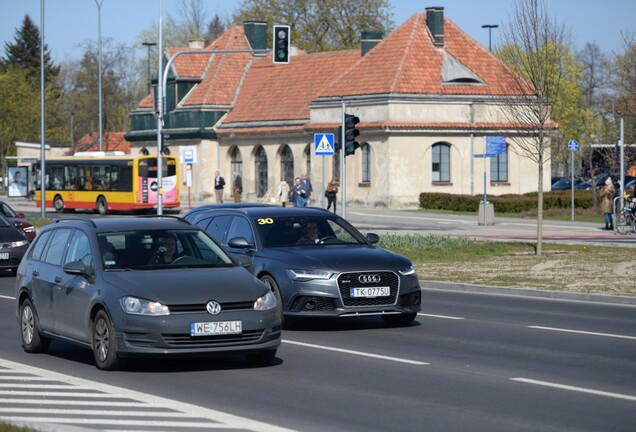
{"type": "Point", "coordinates": [29, 229]}
{"type": "Point", "coordinates": [408, 271]}
{"type": "Point", "coordinates": [266, 302]}
{"type": "Point", "coordinates": [137, 306]}
{"type": "Point", "coordinates": [298, 274]}
{"type": "Point", "coordinates": [18, 243]}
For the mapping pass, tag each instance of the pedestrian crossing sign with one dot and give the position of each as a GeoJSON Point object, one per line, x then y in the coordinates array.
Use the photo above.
{"type": "Point", "coordinates": [323, 143]}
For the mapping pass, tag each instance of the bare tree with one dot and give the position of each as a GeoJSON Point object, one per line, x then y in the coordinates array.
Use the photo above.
{"type": "Point", "coordinates": [535, 47]}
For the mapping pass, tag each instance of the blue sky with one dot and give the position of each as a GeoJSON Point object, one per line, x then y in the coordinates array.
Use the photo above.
{"type": "Point", "coordinates": [68, 23]}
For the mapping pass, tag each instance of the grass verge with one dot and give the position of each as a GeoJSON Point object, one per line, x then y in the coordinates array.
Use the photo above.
{"type": "Point", "coordinates": [561, 267]}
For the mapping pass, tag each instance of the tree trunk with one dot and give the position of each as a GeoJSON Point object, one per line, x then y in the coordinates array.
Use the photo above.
{"type": "Point", "coordinates": [540, 207]}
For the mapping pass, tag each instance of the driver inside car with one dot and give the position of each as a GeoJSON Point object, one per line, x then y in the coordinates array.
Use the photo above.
{"type": "Point", "coordinates": [310, 234]}
{"type": "Point", "coordinates": [166, 252]}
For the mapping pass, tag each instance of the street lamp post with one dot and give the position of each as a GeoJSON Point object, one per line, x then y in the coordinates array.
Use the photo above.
{"type": "Point", "coordinates": [148, 45]}
{"type": "Point", "coordinates": [99, 63]}
{"type": "Point", "coordinates": [490, 27]}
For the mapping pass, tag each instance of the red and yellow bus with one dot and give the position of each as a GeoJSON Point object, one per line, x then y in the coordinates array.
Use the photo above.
{"type": "Point", "coordinates": [108, 181]}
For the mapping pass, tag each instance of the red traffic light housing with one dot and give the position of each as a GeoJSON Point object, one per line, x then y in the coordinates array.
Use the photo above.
{"type": "Point", "coordinates": [281, 43]}
{"type": "Point", "coordinates": [351, 133]}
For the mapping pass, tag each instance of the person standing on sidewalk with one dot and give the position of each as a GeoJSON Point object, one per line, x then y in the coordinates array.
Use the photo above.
{"type": "Point", "coordinates": [607, 197]}
{"type": "Point", "coordinates": [219, 184]}
{"type": "Point", "coordinates": [237, 186]}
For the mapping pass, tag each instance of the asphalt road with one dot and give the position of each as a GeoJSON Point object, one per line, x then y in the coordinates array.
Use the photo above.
{"type": "Point", "coordinates": [478, 362]}
{"type": "Point", "coordinates": [404, 221]}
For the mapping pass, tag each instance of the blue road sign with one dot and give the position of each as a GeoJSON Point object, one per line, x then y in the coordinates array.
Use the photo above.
{"type": "Point", "coordinates": [323, 144]}
{"type": "Point", "coordinates": [573, 145]}
{"type": "Point", "coordinates": [495, 145]}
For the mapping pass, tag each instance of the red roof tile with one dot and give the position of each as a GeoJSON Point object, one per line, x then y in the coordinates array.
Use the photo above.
{"type": "Point", "coordinates": [224, 72]}
{"type": "Point", "coordinates": [112, 141]}
{"type": "Point", "coordinates": [283, 92]}
{"type": "Point", "coordinates": [406, 61]}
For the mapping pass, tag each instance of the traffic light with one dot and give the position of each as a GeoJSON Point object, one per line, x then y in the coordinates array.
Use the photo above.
{"type": "Point", "coordinates": [337, 142]}
{"type": "Point", "coordinates": [281, 44]}
{"type": "Point", "coordinates": [351, 132]}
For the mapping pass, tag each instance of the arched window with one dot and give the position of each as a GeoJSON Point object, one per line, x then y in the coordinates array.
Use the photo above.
{"type": "Point", "coordinates": [366, 162]}
{"type": "Point", "coordinates": [441, 163]}
{"type": "Point", "coordinates": [237, 161]}
{"type": "Point", "coordinates": [287, 165]}
{"type": "Point", "coordinates": [499, 167]}
{"type": "Point", "coordinates": [260, 168]}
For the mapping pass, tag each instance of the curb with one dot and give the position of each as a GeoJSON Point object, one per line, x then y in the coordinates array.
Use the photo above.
{"type": "Point", "coordinates": [528, 292]}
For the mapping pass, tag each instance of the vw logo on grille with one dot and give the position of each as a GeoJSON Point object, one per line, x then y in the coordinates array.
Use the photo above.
{"type": "Point", "coordinates": [213, 308]}
{"type": "Point", "coordinates": [370, 278]}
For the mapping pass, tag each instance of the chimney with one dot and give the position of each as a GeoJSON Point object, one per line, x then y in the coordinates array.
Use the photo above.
{"type": "Point", "coordinates": [435, 24]}
{"type": "Point", "coordinates": [369, 39]}
{"type": "Point", "coordinates": [196, 44]}
{"type": "Point", "coordinates": [256, 34]}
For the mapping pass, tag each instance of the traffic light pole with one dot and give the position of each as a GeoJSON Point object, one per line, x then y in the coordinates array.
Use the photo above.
{"type": "Point", "coordinates": [343, 159]}
{"type": "Point", "coordinates": [161, 96]}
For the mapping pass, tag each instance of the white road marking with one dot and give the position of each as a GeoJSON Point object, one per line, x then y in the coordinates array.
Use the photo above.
{"type": "Point", "coordinates": [42, 401]}
{"type": "Point", "coordinates": [583, 332]}
{"type": "Point", "coordinates": [83, 389]}
{"type": "Point", "coordinates": [577, 389]}
{"type": "Point", "coordinates": [442, 316]}
{"type": "Point", "coordinates": [7, 297]}
{"type": "Point", "coordinates": [359, 353]}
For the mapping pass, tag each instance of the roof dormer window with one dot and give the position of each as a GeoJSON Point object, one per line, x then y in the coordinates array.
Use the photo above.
{"type": "Point", "coordinates": [454, 72]}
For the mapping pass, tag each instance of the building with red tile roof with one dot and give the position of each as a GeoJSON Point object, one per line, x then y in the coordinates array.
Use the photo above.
{"type": "Point", "coordinates": [427, 95]}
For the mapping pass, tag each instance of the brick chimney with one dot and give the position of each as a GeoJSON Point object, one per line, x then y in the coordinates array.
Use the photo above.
{"type": "Point", "coordinates": [435, 24]}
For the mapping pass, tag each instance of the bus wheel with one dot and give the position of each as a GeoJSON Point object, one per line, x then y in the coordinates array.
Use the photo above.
{"type": "Point", "coordinates": [102, 206]}
{"type": "Point", "coordinates": [58, 203]}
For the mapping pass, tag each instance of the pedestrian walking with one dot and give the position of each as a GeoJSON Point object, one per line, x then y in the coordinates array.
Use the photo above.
{"type": "Point", "coordinates": [330, 194]}
{"type": "Point", "coordinates": [299, 195]}
{"type": "Point", "coordinates": [283, 192]}
{"type": "Point", "coordinates": [306, 184]}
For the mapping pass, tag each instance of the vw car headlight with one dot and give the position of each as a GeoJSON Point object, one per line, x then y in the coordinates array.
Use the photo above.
{"type": "Point", "coordinates": [408, 271]}
{"type": "Point", "coordinates": [137, 306]}
{"type": "Point", "coordinates": [265, 302]}
{"type": "Point", "coordinates": [299, 274]}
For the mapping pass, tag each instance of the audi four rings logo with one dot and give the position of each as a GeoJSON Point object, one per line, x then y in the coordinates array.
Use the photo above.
{"type": "Point", "coordinates": [213, 308]}
{"type": "Point", "coordinates": [367, 279]}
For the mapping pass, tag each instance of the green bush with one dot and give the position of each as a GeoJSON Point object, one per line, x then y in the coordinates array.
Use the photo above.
{"type": "Point", "coordinates": [507, 203]}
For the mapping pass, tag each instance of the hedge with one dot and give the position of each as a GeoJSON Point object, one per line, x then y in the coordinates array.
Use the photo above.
{"type": "Point", "coordinates": [508, 203]}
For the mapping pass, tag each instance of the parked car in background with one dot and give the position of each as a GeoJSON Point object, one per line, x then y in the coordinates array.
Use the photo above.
{"type": "Point", "coordinates": [316, 263]}
{"type": "Point", "coordinates": [108, 285]}
{"type": "Point", "coordinates": [18, 221]}
{"type": "Point", "coordinates": [13, 245]}
{"type": "Point", "coordinates": [566, 184]}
